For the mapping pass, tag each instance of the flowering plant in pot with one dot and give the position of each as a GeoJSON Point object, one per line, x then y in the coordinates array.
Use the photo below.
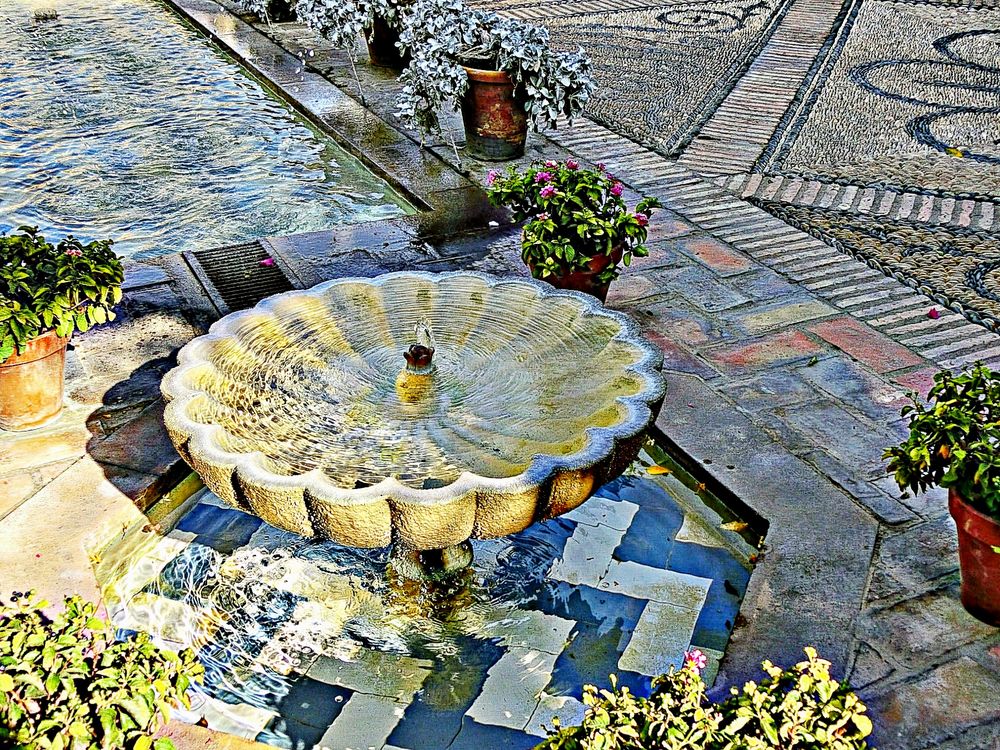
{"type": "Point", "coordinates": [47, 292]}
{"type": "Point", "coordinates": [578, 227]}
{"type": "Point", "coordinates": [501, 72]}
{"type": "Point", "coordinates": [954, 442]}
{"type": "Point", "coordinates": [800, 707]}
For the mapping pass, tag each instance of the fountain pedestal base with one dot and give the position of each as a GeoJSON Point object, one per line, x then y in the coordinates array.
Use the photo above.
{"type": "Point", "coordinates": [433, 564]}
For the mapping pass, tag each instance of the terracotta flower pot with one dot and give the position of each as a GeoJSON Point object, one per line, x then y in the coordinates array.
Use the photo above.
{"type": "Point", "coordinates": [585, 281]}
{"type": "Point", "coordinates": [979, 558]}
{"type": "Point", "coordinates": [382, 49]}
{"type": "Point", "coordinates": [496, 121]}
{"type": "Point", "coordinates": [31, 383]}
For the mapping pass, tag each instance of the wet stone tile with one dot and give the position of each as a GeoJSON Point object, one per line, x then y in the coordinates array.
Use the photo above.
{"type": "Point", "coordinates": [224, 530]}
{"type": "Point", "coordinates": [704, 290]}
{"type": "Point", "coordinates": [850, 383]}
{"type": "Point", "coordinates": [765, 352]}
{"type": "Point", "coordinates": [940, 703]}
{"type": "Point", "coordinates": [923, 627]}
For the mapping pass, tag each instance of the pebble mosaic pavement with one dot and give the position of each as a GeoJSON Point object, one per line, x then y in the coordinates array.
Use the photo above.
{"type": "Point", "coordinates": [888, 110]}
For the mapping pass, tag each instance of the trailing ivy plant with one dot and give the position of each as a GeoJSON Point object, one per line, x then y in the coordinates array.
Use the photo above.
{"type": "Point", "coordinates": [799, 708]}
{"type": "Point", "coordinates": [441, 35]}
{"type": "Point", "coordinates": [954, 439]}
{"type": "Point", "coordinates": [64, 683]}
{"type": "Point", "coordinates": [571, 215]}
{"type": "Point", "coordinates": [343, 21]}
{"type": "Point", "coordinates": [64, 287]}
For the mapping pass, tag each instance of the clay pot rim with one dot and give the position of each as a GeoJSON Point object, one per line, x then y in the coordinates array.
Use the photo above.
{"type": "Point", "coordinates": [43, 345]}
{"type": "Point", "coordinates": [955, 498]}
{"type": "Point", "coordinates": [487, 75]}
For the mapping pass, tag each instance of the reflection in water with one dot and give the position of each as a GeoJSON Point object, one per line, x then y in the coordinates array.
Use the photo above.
{"type": "Point", "coordinates": [290, 630]}
{"type": "Point", "coordinates": [117, 120]}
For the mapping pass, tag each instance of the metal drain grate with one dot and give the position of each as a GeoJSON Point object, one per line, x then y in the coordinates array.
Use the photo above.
{"type": "Point", "coordinates": [235, 277]}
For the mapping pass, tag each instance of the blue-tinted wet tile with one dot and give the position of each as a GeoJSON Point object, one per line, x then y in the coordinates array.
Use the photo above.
{"type": "Point", "coordinates": [476, 736]}
{"type": "Point", "coordinates": [307, 711]}
{"type": "Point", "coordinates": [590, 658]}
{"type": "Point", "coordinates": [193, 567]}
{"type": "Point", "coordinates": [586, 604]}
{"type": "Point", "coordinates": [650, 536]}
{"type": "Point", "coordinates": [433, 720]}
{"type": "Point", "coordinates": [729, 584]}
{"type": "Point", "coordinates": [222, 529]}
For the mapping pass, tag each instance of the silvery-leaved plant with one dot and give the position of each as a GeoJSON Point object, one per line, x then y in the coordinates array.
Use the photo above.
{"type": "Point", "coordinates": [434, 32]}
{"type": "Point", "coordinates": [343, 21]}
{"type": "Point", "coordinates": [443, 34]}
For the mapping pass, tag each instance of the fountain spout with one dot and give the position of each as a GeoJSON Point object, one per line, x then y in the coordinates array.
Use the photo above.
{"type": "Point", "coordinates": [419, 357]}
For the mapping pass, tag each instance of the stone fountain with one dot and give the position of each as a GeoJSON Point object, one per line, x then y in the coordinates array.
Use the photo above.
{"type": "Point", "coordinates": [414, 409]}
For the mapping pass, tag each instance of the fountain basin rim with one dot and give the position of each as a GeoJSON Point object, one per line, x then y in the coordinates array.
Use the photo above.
{"type": "Point", "coordinates": [248, 470]}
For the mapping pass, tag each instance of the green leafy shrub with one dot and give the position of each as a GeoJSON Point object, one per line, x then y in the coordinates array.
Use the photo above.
{"type": "Point", "coordinates": [954, 439]}
{"type": "Point", "coordinates": [572, 215]}
{"type": "Point", "coordinates": [799, 708]}
{"type": "Point", "coordinates": [43, 287]}
{"type": "Point", "coordinates": [65, 684]}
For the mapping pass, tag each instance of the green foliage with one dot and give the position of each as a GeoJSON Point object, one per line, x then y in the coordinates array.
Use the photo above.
{"type": "Point", "coordinates": [801, 708]}
{"type": "Point", "coordinates": [65, 684]}
{"type": "Point", "coordinates": [572, 216]}
{"type": "Point", "coordinates": [954, 439]}
{"type": "Point", "coordinates": [43, 287]}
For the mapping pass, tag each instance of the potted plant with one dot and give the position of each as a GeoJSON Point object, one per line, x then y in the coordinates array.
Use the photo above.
{"type": "Point", "coordinates": [342, 21]}
{"type": "Point", "coordinates": [578, 227]}
{"type": "Point", "coordinates": [501, 72]}
{"type": "Point", "coordinates": [954, 442]}
{"type": "Point", "coordinates": [66, 683]}
{"type": "Point", "coordinates": [800, 707]}
{"type": "Point", "coordinates": [46, 293]}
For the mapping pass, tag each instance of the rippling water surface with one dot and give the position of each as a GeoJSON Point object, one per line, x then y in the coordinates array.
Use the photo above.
{"type": "Point", "coordinates": [118, 120]}
{"type": "Point", "coordinates": [309, 644]}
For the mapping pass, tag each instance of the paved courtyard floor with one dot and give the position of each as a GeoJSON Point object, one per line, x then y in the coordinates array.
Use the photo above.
{"type": "Point", "coordinates": [810, 228]}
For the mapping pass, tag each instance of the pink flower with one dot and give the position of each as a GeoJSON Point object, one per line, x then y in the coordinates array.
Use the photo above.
{"type": "Point", "coordinates": [572, 164]}
{"type": "Point", "coordinates": [543, 177]}
{"type": "Point", "coordinates": [641, 219]}
{"type": "Point", "coordinates": [617, 189]}
{"type": "Point", "coordinates": [74, 252]}
{"type": "Point", "coordinates": [696, 660]}
{"type": "Point", "coordinates": [492, 177]}
{"type": "Point", "coordinates": [933, 313]}
{"type": "Point", "coordinates": [551, 164]}
{"type": "Point", "coordinates": [547, 192]}
{"type": "Point", "coordinates": [543, 216]}
{"type": "Point", "coordinates": [602, 166]}
{"type": "Point", "coordinates": [267, 262]}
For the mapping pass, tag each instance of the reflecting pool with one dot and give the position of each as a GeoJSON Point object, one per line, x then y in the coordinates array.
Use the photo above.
{"type": "Point", "coordinates": [119, 120]}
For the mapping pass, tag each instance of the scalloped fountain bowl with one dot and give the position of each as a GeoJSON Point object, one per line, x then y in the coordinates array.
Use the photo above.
{"type": "Point", "coordinates": [335, 413]}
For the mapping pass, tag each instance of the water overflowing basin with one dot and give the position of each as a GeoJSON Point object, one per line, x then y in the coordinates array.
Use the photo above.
{"type": "Point", "coordinates": [307, 411]}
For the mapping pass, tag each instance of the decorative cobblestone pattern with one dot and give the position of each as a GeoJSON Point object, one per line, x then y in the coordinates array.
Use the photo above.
{"type": "Point", "coordinates": [662, 66]}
